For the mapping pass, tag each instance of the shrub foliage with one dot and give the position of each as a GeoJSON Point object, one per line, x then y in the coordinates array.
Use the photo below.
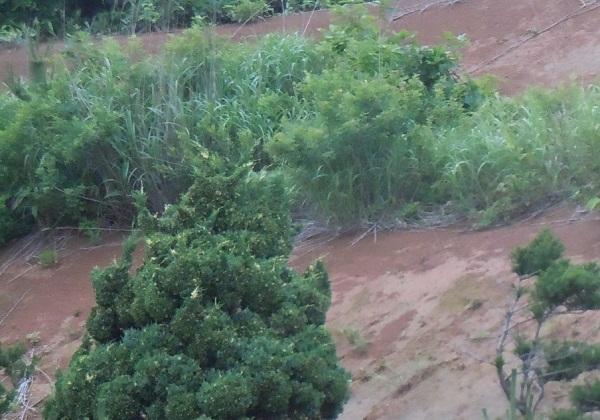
{"type": "Point", "coordinates": [368, 127]}
{"type": "Point", "coordinates": [18, 370]}
{"type": "Point", "coordinates": [213, 323]}
{"type": "Point", "coordinates": [559, 287]}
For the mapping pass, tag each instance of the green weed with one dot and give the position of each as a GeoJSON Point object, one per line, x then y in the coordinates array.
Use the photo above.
{"type": "Point", "coordinates": [357, 339]}
{"type": "Point", "coordinates": [48, 257]}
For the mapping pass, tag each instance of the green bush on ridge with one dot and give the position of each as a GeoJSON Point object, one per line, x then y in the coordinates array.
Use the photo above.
{"type": "Point", "coordinates": [113, 124]}
{"type": "Point", "coordinates": [366, 151]}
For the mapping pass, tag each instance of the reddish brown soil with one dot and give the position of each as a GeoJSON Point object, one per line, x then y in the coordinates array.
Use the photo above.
{"type": "Point", "coordinates": [415, 314]}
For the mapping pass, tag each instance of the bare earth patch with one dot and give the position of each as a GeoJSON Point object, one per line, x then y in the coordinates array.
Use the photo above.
{"type": "Point", "coordinates": [415, 314]}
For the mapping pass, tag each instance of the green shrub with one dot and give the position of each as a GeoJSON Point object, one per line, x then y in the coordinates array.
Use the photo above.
{"type": "Point", "coordinates": [366, 148]}
{"type": "Point", "coordinates": [585, 397]}
{"type": "Point", "coordinates": [17, 369]}
{"type": "Point", "coordinates": [568, 414]}
{"type": "Point", "coordinates": [204, 327]}
{"type": "Point", "coordinates": [544, 250]}
{"type": "Point", "coordinates": [48, 257]}
{"type": "Point", "coordinates": [109, 123]}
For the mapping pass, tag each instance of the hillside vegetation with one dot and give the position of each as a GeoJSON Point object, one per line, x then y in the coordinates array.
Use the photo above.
{"type": "Point", "coordinates": [369, 128]}
{"type": "Point", "coordinates": [210, 148]}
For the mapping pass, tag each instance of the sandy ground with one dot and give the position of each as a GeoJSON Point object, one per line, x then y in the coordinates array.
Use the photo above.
{"type": "Point", "coordinates": [415, 315]}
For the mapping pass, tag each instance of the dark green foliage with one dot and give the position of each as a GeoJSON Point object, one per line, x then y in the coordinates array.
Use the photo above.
{"type": "Point", "coordinates": [577, 287]}
{"type": "Point", "coordinates": [367, 149]}
{"type": "Point", "coordinates": [523, 347]}
{"type": "Point", "coordinates": [568, 414]}
{"type": "Point", "coordinates": [559, 283]}
{"type": "Point", "coordinates": [560, 287]}
{"type": "Point", "coordinates": [204, 326]}
{"type": "Point", "coordinates": [44, 140]}
{"type": "Point", "coordinates": [130, 16]}
{"type": "Point", "coordinates": [586, 397]}
{"type": "Point", "coordinates": [568, 359]}
{"type": "Point", "coordinates": [544, 250]}
{"type": "Point", "coordinates": [11, 225]}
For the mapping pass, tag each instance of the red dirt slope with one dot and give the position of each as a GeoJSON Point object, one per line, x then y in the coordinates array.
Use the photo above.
{"type": "Point", "coordinates": [415, 314]}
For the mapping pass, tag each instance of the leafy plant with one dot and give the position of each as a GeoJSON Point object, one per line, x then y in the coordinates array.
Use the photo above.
{"type": "Point", "coordinates": [91, 229]}
{"type": "Point", "coordinates": [18, 369]}
{"type": "Point", "coordinates": [48, 257]}
{"type": "Point", "coordinates": [366, 150]}
{"type": "Point", "coordinates": [357, 339]}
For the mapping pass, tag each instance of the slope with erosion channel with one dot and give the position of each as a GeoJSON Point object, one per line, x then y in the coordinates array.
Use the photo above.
{"type": "Point", "coordinates": [414, 314]}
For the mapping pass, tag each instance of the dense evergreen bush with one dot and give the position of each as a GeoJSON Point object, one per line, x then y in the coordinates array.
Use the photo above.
{"type": "Point", "coordinates": [213, 324]}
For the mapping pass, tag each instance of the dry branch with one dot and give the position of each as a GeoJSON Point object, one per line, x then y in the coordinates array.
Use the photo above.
{"type": "Point", "coordinates": [14, 307]}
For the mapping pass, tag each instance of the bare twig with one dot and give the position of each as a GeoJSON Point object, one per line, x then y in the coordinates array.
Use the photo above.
{"type": "Point", "coordinates": [474, 356]}
{"type": "Point", "coordinates": [373, 228]}
{"type": "Point", "coordinates": [14, 307]}
{"type": "Point", "coordinates": [312, 12]}
{"type": "Point", "coordinates": [17, 255]}
{"type": "Point", "coordinates": [22, 274]}
{"type": "Point", "coordinates": [45, 375]}
{"type": "Point", "coordinates": [503, 378]}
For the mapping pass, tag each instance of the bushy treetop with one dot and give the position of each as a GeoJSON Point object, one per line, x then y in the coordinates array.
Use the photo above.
{"type": "Point", "coordinates": [213, 324]}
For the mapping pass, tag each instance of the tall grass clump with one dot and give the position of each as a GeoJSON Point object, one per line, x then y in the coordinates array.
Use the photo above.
{"type": "Point", "coordinates": [111, 122]}
{"type": "Point", "coordinates": [517, 155]}
{"type": "Point", "coordinates": [365, 151]}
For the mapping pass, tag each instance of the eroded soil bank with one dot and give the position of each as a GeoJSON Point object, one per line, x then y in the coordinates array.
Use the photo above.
{"type": "Point", "coordinates": [415, 314]}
